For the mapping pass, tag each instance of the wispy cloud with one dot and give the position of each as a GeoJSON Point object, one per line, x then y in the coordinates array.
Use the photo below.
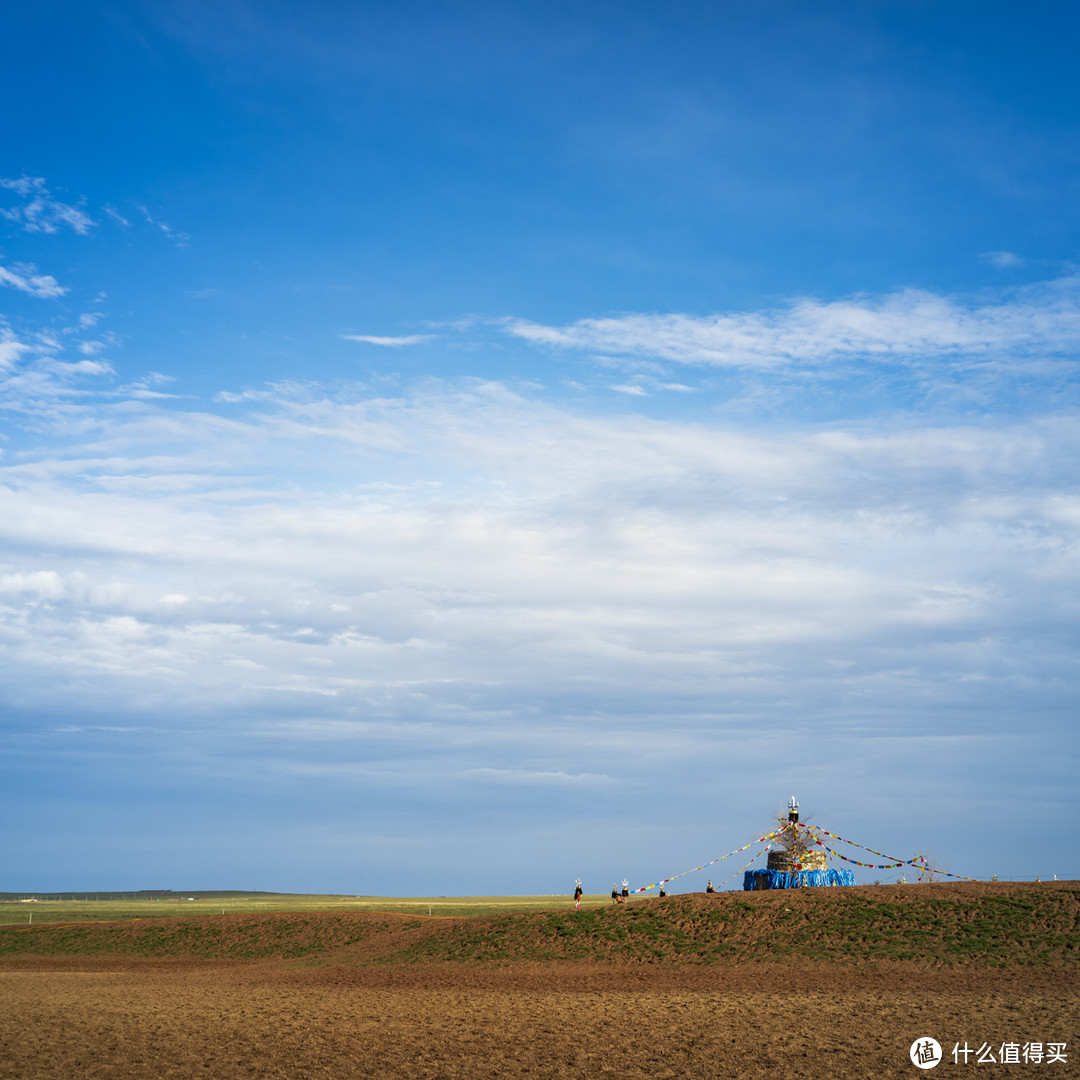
{"type": "Point", "coordinates": [116, 215]}
{"type": "Point", "coordinates": [25, 278]}
{"type": "Point", "coordinates": [1003, 260]}
{"type": "Point", "coordinates": [178, 238]}
{"type": "Point", "coordinates": [39, 383]}
{"type": "Point", "coordinates": [11, 348]}
{"type": "Point", "coordinates": [39, 211]}
{"type": "Point", "coordinates": [534, 776]}
{"type": "Point", "coordinates": [391, 342]}
{"type": "Point", "coordinates": [83, 367]}
{"type": "Point", "coordinates": [905, 327]}
{"type": "Point", "coordinates": [149, 387]}
{"type": "Point", "coordinates": [636, 555]}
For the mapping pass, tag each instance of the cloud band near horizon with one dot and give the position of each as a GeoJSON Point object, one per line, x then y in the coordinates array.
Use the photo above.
{"type": "Point", "coordinates": [908, 326]}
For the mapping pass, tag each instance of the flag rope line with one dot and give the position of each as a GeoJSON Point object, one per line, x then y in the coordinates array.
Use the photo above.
{"type": "Point", "coordinates": [759, 840]}
{"type": "Point", "coordinates": [743, 868]}
{"type": "Point", "coordinates": [918, 862]}
{"type": "Point", "coordinates": [873, 851]}
{"type": "Point", "coordinates": [869, 866]}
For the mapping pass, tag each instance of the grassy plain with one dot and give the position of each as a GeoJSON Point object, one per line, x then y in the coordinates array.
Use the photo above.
{"type": "Point", "coordinates": [104, 910]}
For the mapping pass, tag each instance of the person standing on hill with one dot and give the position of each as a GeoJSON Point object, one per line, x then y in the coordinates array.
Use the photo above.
{"type": "Point", "coordinates": [577, 895]}
{"type": "Point", "coordinates": [626, 890]}
{"type": "Point", "coordinates": [709, 888]}
{"type": "Point", "coordinates": [615, 894]}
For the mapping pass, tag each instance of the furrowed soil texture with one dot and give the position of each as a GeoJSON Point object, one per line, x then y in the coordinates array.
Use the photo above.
{"type": "Point", "coordinates": [807, 983]}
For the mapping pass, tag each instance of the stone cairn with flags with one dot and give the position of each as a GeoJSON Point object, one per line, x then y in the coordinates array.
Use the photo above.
{"type": "Point", "coordinates": [793, 863]}
{"type": "Point", "coordinates": [797, 859]}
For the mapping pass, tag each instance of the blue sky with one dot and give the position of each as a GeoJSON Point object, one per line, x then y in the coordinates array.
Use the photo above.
{"type": "Point", "coordinates": [450, 449]}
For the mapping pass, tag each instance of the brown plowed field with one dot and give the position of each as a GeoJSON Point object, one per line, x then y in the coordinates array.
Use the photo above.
{"type": "Point", "coordinates": [376, 996]}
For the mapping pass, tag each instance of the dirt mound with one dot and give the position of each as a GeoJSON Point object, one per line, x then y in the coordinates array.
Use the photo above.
{"type": "Point", "coordinates": [806, 984]}
{"type": "Point", "coordinates": [988, 924]}
{"type": "Point", "coordinates": [222, 937]}
{"type": "Point", "coordinates": [992, 924]}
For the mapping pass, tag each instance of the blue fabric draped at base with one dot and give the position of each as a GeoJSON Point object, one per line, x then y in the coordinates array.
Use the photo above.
{"type": "Point", "coordinates": [795, 879]}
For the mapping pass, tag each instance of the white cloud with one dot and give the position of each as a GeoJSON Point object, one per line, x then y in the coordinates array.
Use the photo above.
{"type": "Point", "coordinates": [178, 238]}
{"type": "Point", "coordinates": [24, 277]}
{"type": "Point", "coordinates": [11, 348]}
{"type": "Point", "coordinates": [83, 367]}
{"type": "Point", "coordinates": [911, 326]}
{"type": "Point", "coordinates": [527, 552]}
{"type": "Point", "coordinates": [391, 342]}
{"type": "Point", "coordinates": [116, 215]}
{"type": "Point", "coordinates": [1003, 260]}
{"type": "Point", "coordinates": [531, 776]}
{"type": "Point", "coordinates": [40, 212]}
{"type": "Point", "coordinates": [41, 584]}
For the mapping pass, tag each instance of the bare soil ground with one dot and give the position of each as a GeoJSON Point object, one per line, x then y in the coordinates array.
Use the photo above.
{"type": "Point", "coordinates": [378, 998]}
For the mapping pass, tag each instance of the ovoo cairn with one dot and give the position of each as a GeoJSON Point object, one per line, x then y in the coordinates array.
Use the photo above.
{"type": "Point", "coordinates": [793, 862]}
